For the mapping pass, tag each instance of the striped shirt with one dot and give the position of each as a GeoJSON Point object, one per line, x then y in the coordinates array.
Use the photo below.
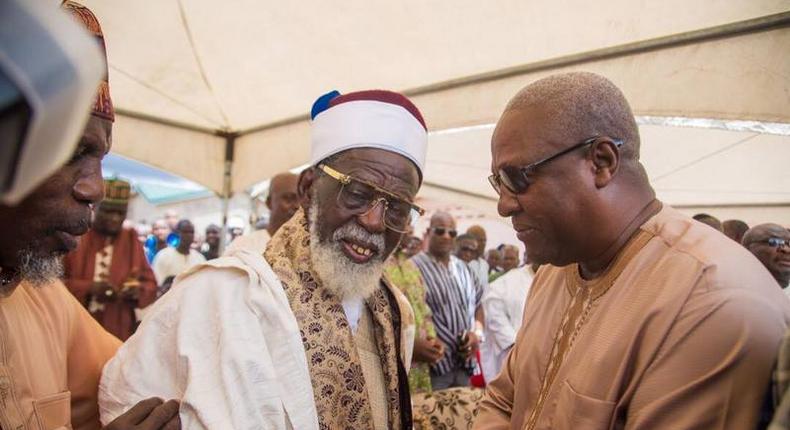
{"type": "Point", "coordinates": [453, 293]}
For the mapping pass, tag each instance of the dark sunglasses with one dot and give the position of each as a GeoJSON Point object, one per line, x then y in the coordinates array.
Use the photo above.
{"type": "Point", "coordinates": [777, 242]}
{"type": "Point", "coordinates": [516, 180]}
{"type": "Point", "coordinates": [467, 249]}
{"type": "Point", "coordinates": [440, 231]}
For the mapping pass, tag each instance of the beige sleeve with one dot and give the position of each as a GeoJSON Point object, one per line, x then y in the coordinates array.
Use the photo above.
{"type": "Point", "coordinates": [90, 347]}
{"type": "Point", "coordinates": [730, 340]}
{"type": "Point", "coordinates": [497, 404]}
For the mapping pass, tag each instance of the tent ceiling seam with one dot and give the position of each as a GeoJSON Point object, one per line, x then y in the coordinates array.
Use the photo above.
{"type": "Point", "coordinates": [703, 158]}
{"type": "Point", "coordinates": [201, 69]}
{"type": "Point", "coordinates": [166, 122]}
{"type": "Point", "coordinates": [749, 26]}
{"type": "Point", "coordinates": [162, 93]}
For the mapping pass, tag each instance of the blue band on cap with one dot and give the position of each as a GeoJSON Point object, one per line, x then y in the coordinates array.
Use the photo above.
{"type": "Point", "coordinates": [322, 103]}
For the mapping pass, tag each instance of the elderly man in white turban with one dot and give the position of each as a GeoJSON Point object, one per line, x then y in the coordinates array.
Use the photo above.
{"type": "Point", "coordinates": [308, 335]}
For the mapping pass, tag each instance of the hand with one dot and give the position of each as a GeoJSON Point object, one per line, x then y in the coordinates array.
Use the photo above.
{"type": "Point", "coordinates": [149, 414]}
{"type": "Point", "coordinates": [470, 346]}
{"type": "Point", "coordinates": [103, 292]}
{"type": "Point", "coordinates": [428, 350]}
{"type": "Point", "coordinates": [130, 291]}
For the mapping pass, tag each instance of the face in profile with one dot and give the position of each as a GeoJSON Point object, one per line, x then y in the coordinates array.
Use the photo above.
{"type": "Point", "coordinates": [49, 221]}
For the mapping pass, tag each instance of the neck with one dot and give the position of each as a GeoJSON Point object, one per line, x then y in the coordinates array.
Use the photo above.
{"type": "Point", "coordinates": [271, 229]}
{"type": "Point", "coordinates": [443, 258]}
{"type": "Point", "coordinates": [595, 267]}
{"type": "Point", "coordinates": [183, 250]}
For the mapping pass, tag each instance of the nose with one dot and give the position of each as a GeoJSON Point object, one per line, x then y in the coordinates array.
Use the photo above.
{"type": "Point", "coordinates": [89, 187]}
{"type": "Point", "coordinates": [508, 204]}
{"type": "Point", "coordinates": [373, 219]}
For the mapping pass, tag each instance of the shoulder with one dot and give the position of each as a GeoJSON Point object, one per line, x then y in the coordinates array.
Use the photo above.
{"type": "Point", "coordinates": [197, 255]}
{"type": "Point", "coordinates": [164, 253]}
{"type": "Point", "coordinates": [681, 243]}
{"type": "Point", "coordinates": [420, 260]}
{"type": "Point", "coordinates": [58, 305]}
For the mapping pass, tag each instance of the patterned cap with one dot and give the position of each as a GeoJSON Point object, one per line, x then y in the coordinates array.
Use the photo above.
{"type": "Point", "coordinates": [102, 107]}
{"type": "Point", "coordinates": [117, 192]}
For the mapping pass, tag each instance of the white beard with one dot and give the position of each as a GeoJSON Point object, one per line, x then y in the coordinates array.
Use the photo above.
{"type": "Point", "coordinates": [343, 277]}
{"type": "Point", "coordinates": [39, 270]}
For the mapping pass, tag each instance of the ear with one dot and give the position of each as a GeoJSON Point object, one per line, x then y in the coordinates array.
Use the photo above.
{"type": "Point", "coordinates": [306, 181]}
{"type": "Point", "coordinates": [269, 201]}
{"type": "Point", "coordinates": [605, 162]}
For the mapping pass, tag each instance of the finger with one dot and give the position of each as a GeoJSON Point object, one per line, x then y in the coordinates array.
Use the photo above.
{"type": "Point", "coordinates": [160, 416]}
{"type": "Point", "coordinates": [139, 411]}
{"type": "Point", "coordinates": [173, 424]}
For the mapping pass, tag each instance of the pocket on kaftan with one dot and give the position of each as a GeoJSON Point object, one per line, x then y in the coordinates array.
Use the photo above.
{"type": "Point", "coordinates": [53, 412]}
{"type": "Point", "coordinates": [576, 411]}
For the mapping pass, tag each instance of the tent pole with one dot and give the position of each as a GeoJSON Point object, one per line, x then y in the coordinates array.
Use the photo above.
{"type": "Point", "coordinates": [230, 143]}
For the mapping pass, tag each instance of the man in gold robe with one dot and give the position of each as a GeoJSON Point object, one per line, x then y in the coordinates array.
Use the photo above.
{"type": "Point", "coordinates": [641, 318]}
{"type": "Point", "coordinates": [51, 350]}
{"type": "Point", "coordinates": [308, 334]}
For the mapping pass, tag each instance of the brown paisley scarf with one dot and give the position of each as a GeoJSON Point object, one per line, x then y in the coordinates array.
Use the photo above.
{"type": "Point", "coordinates": [339, 388]}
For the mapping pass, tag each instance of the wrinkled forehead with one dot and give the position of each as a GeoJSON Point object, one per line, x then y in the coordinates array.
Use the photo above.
{"type": "Point", "coordinates": [443, 221]}
{"type": "Point", "coordinates": [773, 231]}
{"type": "Point", "coordinates": [388, 170]}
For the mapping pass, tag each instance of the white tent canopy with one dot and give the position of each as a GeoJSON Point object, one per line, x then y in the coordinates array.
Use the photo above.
{"type": "Point", "coordinates": [218, 92]}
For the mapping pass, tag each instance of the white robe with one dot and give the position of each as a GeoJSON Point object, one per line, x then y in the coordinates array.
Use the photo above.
{"type": "Point", "coordinates": [226, 344]}
{"type": "Point", "coordinates": [503, 306]}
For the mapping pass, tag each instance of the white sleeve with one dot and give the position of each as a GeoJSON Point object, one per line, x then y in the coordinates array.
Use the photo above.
{"type": "Point", "coordinates": [498, 324]}
{"type": "Point", "coordinates": [157, 265]}
{"type": "Point", "coordinates": [200, 344]}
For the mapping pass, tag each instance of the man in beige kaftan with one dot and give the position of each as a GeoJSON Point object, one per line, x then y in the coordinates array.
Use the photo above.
{"type": "Point", "coordinates": [642, 318]}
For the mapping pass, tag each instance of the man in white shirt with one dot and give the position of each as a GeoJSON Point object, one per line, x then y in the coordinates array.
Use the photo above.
{"type": "Point", "coordinates": [171, 262]}
{"type": "Point", "coordinates": [479, 265]}
{"type": "Point", "coordinates": [503, 307]}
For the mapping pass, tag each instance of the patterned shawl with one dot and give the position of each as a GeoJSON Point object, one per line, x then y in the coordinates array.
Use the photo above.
{"type": "Point", "coordinates": [339, 388]}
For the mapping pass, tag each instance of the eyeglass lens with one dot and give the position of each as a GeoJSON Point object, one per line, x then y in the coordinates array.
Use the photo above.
{"type": "Point", "coordinates": [440, 231]}
{"type": "Point", "coordinates": [357, 196]}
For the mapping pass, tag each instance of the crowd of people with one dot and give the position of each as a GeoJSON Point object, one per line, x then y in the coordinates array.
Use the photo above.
{"type": "Point", "coordinates": [623, 312]}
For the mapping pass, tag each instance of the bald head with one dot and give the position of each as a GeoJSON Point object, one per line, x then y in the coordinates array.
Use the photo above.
{"type": "Point", "coordinates": [762, 232]}
{"type": "Point", "coordinates": [442, 218]}
{"type": "Point", "coordinates": [709, 220]}
{"type": "Point", "coordinates": [582, 105]}
{"type": "Point", "coordinates": [734, 229]}
{"type": "Point", "coordinates": [441, 235]}
{"type": "Point", "coordinates": [282, 201]}
{"type": "Point", "coordinates": [770, 243]}
{"type": "Point", "coordinates": [479, 233]}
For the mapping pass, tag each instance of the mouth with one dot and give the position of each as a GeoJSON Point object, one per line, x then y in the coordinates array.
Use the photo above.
{"type": "Point", "coordinates": [69, 240]}
{"type": "Point", "coordinates": [524, 232]}
{"type": "Point", "coordinates": [358, 252]}
{"type": "Point", "coordinates": [70, 235]}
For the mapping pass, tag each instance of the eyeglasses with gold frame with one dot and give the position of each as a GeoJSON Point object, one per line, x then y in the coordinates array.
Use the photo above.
{"type": "Point", "coordinates": [361, 197]}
